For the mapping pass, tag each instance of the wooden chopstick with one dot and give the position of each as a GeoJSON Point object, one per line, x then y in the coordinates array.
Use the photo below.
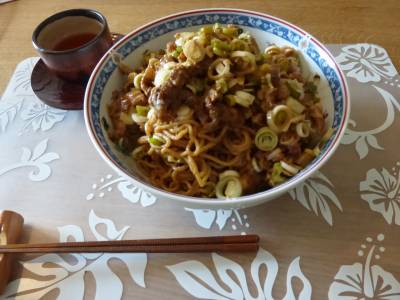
{"type": "Point", "coordinates": [236, 243]}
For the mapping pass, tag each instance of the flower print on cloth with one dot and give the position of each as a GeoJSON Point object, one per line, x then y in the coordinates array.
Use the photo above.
{"type": "Point", "coordinates": [364, 139]}
{"type": "Point", "coordinates": [315, 194]}
{"type": "Point", "coordinates": [200, 282]}
{"type": "Point", "coordinates": [382, 192]}
{"type": "Point", "coordinates": [206, 218]}
{"type": "Point", "coordinates": [21, 81]}
{"type": "Point", "coordinates": [19, 100]}
{"type": "Point", "coordinates": [365, 280]}
{"type": "Point", "coordinates": [67, 275]}
{"type": "Point", "coordinates": [8, 112]}
{"type": "Point", "coordinates": [37, 159]}
{"type": "Point", "coordinates": [125, 186]}
{"type": "Point", "coordinates": [366, 63]}
{"type": "Point", "coordinates": [40, 116]}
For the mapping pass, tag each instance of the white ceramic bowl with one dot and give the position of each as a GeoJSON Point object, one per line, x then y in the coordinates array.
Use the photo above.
{"type": "Point", "coordinates": [315, 59]}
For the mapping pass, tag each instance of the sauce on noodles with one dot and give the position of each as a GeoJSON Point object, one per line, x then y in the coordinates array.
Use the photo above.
{"type": "Point", "coordinates": [213, 116]}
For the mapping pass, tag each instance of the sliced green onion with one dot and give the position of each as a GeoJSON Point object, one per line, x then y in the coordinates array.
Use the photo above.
{"type": "Point", "coordinates": [296, 88]}
{"type": "Point", "coordinates": [236, 81]}
{"type": "Point", "coordinates": [131, 77]}
{"type": "Point", "coordinates": [230, 99]}
{"type": "Point", "coordinates": [191, 88]}
{"type": "Point", "coordinates": [221, 85]}
{"type": "Point", "coordinates": [156, 141]}
{"type": "Point", "coordinates": [163, 73]}
{"type": "Point", "coordinates": [142, 110]}
{"type": "Point", "coordinates": [290, 170]}
{"type": "Point", "coordinates": [272, 50]}
{"type": "Point", "coordinates": [182, 37]}
{"type": "Point", "coordinates": [228, 173]}
{"type": "Point", "coordinates": [196, 85]}
{"type": "Point", "coordinates": [269, 81]}
{"type": "Point", "coordinates": [327, 135]}
{"type": "Point", "coordinates": [219, 68]}
{"type": "Point", "coordinates": [217, 27]}
{"type": "Point", "coordinates": [207, 29]}
{"type": "Point", "coordinates": [266, 139]}
{"type": "Point", "coordinates": [237, 44]}
{"type": "Point", "coordinates": [279, 118]}
{"type": "Point", "coordinates": [194, 51]}
{"type": "Point", "coordinates": [303, 129]}
{"type": "Point", "coordinates": [184, 112]}
{"type": "Point", "coordinates": [177, 51]}
{"type": "Point", "coordinates": [229, 31]}
{"type": "Point", "coordinates": [275, 155]}
{"type": "Point", "coordinates": [219, 52]}
{"type": "Point", "coordinates": [244, 98]}
{"type": "Point", "coordinates": [276, 175]}
{"type": "Point", "coordinates": [295, 105]}
{"type": "Point", "coordinates": [248, 59]}
{"type": "Point", "coordinates": [316, 150]}
{"type": "Point", "coordinates": [126, 118]}
{"type": "Point", "coordinates": [220, 45]}
{"type": "Point", "coordinates": [305, 158]}
{"type": "Point", "coordinates": [138, 118]}
{"type": "Point", "coordinates": [310, 87]}
{"type": "Point", "coordinates": [255, 165]}
{"type": "Point", "coordinates": [229, 185]}
{"type": "Point", "coordinates": [138, 80]}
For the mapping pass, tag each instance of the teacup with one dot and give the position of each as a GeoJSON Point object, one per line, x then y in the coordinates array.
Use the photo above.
{"type": "Point", "coordinates": [71, 42]}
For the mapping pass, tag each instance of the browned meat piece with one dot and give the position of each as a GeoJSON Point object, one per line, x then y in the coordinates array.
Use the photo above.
{"type": "Point", "coordinates": [258, 119]}
{"type": "Point", "coordinates": [231, 116]}
{"type": "Point", "coordinates": [317, 118]}
{"type": "Point", "coordinates": [180, 76]}
{"type": "Point", "coordinates": [171, 46]}
{"type": "Point", "coordinates": [170, 95]}
{"type": "Point", "coordinates": [136, 98]}
{"type": "Point", "coordinates": [125, 105]}
{"type": "Point", "coordinates": [269, 99]}
{"type": "Point", "coordinates": [283, 91]}
{"type": "Point", "coordinates": [130, 137]}
{"type": "Point", "coordinates": [294, 150]}
{"type": "Point", "coordinates": [117, 131]}
{"type": "Point", "coordinates": [251, 181]}
{"type": "Point", "coordinates": [296, 75]}
{"type": "Point", "coordinates": [261, 159]}
{"type": "Point", "coordinates": [275, 78]}
{"type": "Point", "coordinates": [164, 98]}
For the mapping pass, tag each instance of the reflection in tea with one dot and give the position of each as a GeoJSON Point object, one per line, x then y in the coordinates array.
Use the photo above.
{"type": "Point", "coordinates": [74, 41]}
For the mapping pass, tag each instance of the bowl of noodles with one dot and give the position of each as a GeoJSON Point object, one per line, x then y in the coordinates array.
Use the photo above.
{"type": "Point", "coordinates": [217, 108]}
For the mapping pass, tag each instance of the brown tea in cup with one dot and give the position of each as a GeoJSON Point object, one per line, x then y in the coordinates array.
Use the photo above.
{"type": "Point", "coordinates": [71, 42]}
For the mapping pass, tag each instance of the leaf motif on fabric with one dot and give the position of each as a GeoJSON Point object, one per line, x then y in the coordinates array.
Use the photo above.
{"type": "Point", "coordinates": [197, 279]}
{"type": "Point", "coordinates": [52, 271]}
{"type": "Point", "coordinates": [315, 194]}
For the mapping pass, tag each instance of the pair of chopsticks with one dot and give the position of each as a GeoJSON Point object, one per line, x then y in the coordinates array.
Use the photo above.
{"type": "Point", "coordinates": [233, 243]}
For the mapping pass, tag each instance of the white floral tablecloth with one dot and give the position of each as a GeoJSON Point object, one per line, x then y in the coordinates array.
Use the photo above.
{"type": "Point", "coordinates": [334, 237]}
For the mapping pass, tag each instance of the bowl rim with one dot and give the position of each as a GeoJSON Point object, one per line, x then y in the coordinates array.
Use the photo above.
{"type": "Point", "coordinates": [246, 200]}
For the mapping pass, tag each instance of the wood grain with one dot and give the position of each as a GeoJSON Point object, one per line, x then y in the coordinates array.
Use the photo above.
{"type": "Point", "coordinates": [228, 243]}
{"type": "Point", "coordinates": [330, 21]}
{"type": "Point", "coordinates": [11, 230]}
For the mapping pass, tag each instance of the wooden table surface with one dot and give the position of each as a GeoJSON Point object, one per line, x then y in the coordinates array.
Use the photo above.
{"type": "Point", "coordinates": [341, 21]}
